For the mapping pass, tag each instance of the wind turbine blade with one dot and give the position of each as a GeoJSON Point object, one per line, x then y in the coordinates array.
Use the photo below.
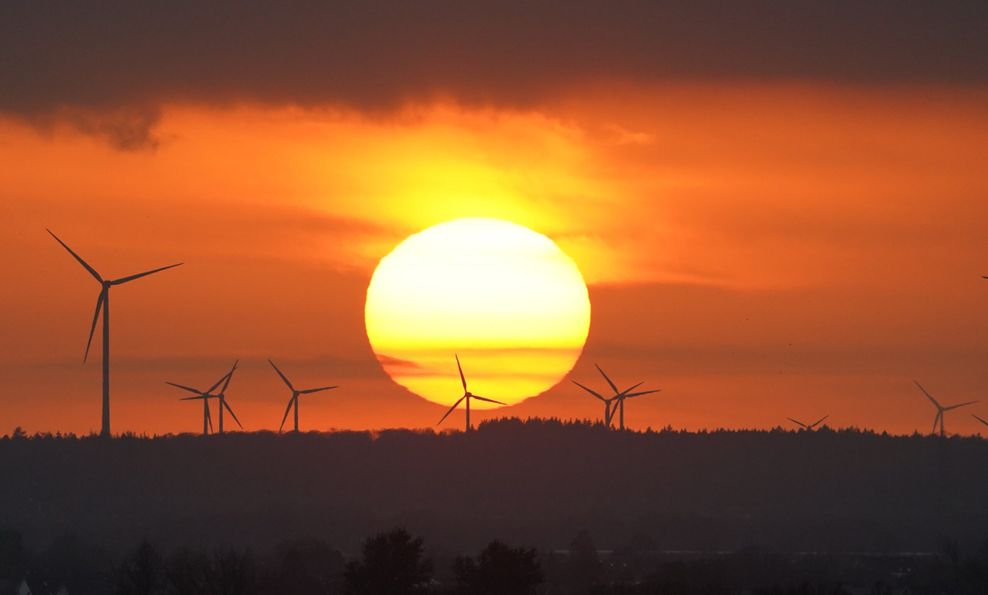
{"type": "Point", "coordinates": [607, 378]}
{"type": "Point", "coordinates": [797, 422]}
{"type": "Point", "coordinates": [589, 390]}
{"type": "Point", "coordinates": [209, 418]}
{"type": "Point", "coordinates": [952, 407]}
{"type": "Point", "coordinates": [929, 396]}
{"type": "Point", "coordinates": [196, 398]}
{"type": "Point", "coordinates": [229, 377]}
{"type": "Point", "coordinates": [315, 390]}
{"type": "Point", "coordinates": [644, 392]}
{"type": "Point", "coordinates": [217, 383]}
{"type": "Point", "coordinates": [188, 388]}
{"type": "Point", "coordinates": [479, 398]}
{"type": "Point", "coordinates": [283, 377]}
{"type": "Point", "coordinates": [819, 421]}
{"type": "Point", "coordinates": [632, 387]}
{"type": "Point", "coordinates": [91, 270]}
{"type": "Point", "coordinates": [935, 421]}
{"type": "Point", "coordinates": [229, 409]}
{"type": "Point", "coordinates": [979, 419]}
{"type": "Point", "coordinates": [287, 409]}
{"type": "Point", "coordinates": [455, 405]}
{"type": "Point", "coordinates": [130, 278]}
{"type": "Point", "coordinates": [463, 379]}
{"type": "Point", "coordinates": [92, 329]}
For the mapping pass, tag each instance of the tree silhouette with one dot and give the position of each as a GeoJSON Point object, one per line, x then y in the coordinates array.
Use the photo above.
{"type": "Point", "coordinates": [13, 559]}
{"type": "Point", "coordinates": [391, 564]}
{"type": "Point", "coordinates": [188, 572]}
{"type": "Point", "coordinates": [499, 570]}
{"type": "Point", "coordinates": [226, 572]}
{"type": "Point", "coordinates": [583, 564]}
{"type": "Point", "coordinates": [305, 567]}
{"type": "Point", "coordinates": [141, 573]}
{"type": "Point", "coordinates": [231, 573]}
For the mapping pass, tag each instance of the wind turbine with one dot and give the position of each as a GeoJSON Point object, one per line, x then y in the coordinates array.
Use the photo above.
{"type": "Point", "coordinates": [620, 396]}
{"type": "Point", "coordinates": [940, 410]}
{"type": "Point", "coordinates": [467, 395]}
{"type": "Point", "coordinates": [295, 394]}
{"type": "Point", "coordinates": [982, 420]}
{"type": "Point", "coordinates": [103, 303]}
{"type": "Point", "coordinates": [608, 401]}
{"type": "Point", "coordinates": [207, 420]}
{"type": "Point", "coordinates": [808, 427]}
{"type": "Point", "coordinates": [602, 398]}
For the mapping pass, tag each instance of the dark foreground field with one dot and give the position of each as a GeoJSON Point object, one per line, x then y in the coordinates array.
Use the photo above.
{"type": "Point", "coordinates": [667, 496]}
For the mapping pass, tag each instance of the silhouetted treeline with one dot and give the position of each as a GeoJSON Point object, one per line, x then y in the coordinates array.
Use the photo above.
{"type": "Point", "coordinates": [537, 482]}
{"type": "Point", "coordinates": [398, 563]}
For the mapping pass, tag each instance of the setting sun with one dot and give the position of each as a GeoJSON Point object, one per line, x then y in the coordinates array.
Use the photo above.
{"type": "Point", "coordinates": [504, 297]}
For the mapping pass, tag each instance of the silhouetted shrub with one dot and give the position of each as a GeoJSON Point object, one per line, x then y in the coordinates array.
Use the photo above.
{"type": "Point", "coordinates": [142, 572]}
{"type": "Point", "coordinates": [391, 564]}
{"type": "Point", "coordinates": [499, 570]}
{"type": "Point", "coordinates": [304, 567]}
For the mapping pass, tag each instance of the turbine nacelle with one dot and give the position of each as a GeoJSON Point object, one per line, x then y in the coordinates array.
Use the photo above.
{"type": "Point", "coordinates": [293, 400]}
{"type": "Point", "coordinates": [467, 396]}
{"type": "Point", "coordinates": [103, 307]}
{"type": "Point", "coordinates": [941, 410]}
{"type": "Point", "coordinates": [808, 427]}
{"type": "Point", "coordinates": [206, 395]}
{"type": "Point", "coordinates": [615, 402]}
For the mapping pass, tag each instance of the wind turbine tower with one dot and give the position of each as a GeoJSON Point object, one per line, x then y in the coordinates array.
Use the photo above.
{"type": "Point", "coordinates": [467, 396]}
{"type": "Point", "coordinates": [103, 304]}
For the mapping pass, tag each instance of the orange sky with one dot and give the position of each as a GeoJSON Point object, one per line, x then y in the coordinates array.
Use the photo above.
{"type": "Point", "coordinates": [757, 250]}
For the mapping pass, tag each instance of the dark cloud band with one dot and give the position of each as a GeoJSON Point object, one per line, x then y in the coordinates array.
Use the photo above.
{"type": "Point", "coordinates": [372, 55]}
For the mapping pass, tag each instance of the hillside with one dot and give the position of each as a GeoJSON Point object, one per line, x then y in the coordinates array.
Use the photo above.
{"type": "Point", "coordinates": [537, 483]}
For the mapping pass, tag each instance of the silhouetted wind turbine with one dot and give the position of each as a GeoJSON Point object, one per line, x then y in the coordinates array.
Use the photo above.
{"type": "Point", "coordinates": [467, 396]}
{"type": "Point", "coordinates": [295, 394]}
{"type": "Point", "coordinates": [602, 398]}
{"type": "Point", "coordinates": [103, 303]}
{"type": "Point", "coordinates": [608, 401]}
{"type": "Point", "coordinates": [940, 410]}
{"type": "Point", "coordinates": [620, 396]}
{"type": "Point", "coordinates": [207, 419]}
{"type": "Point", "coordinates": [808, 427]}
{"type": "Point", "coordinates": [221, 397]}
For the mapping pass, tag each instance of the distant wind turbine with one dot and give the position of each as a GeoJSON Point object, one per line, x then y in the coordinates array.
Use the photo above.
{"type": "Point", "coordinates": [620, 396]}
{"type": "Point", "coordinates": [293, 402]}
{"type": "Point", "coordinates": [206, 395]}
{"type": "Point", "coordinates": [608, 401]}
{"type": "Point", "coordinates": [941, 410]}
{"type": "Point", "coordinates": [808, 427]}
{"type": "Point", "coordinates": [103, 303]}
{"type": "Point", "coordinates": [467, 396]}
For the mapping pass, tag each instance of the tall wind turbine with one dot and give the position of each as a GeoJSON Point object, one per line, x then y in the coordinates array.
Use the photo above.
{"type": "Point", "coordinates": [103, 303]}
{"type": "Point", "coordinates": [608, 401]}
{"type": "Point", "coordinates": [620, 396]}
{"type": "Point", "coordinates": [467, 396]}
{"type": "Point", "coordinates": [293, 402]}
{"type": "Point", "coordinates": [941, 410]}
{"type": "Point", "coordinates": [207, 419]}
{"type": "Point", "coordinates": [808, 427]}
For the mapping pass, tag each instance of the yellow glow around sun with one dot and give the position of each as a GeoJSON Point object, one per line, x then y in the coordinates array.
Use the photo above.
{"type": "Point", "coordinates": [504, 297]}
